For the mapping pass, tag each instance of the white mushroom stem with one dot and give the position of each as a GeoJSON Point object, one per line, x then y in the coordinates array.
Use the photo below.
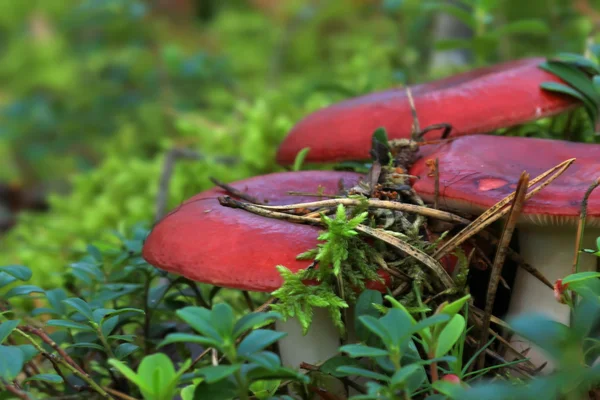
{"type": "Point", "coordinates": [550, 250]}
{"type": "Point", "coordinates": [321, 342]}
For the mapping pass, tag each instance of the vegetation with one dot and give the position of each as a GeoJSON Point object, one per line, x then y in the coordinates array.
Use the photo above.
{"type": "Point", "coordinates": [98, 96]}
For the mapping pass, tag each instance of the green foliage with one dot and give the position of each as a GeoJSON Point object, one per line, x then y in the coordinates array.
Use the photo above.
{"type": "Point", "coordinates": [481, 17]}
{"type": "Point", "coordinates": [248, 361]}
{"type": "Point", "coordinates": [345, 264]}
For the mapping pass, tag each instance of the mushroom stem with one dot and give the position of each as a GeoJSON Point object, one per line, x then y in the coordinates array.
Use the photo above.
{"type": "Point", "coordinates": [549, 249]}
{"type": "Point", "coordinates": [321, 342]}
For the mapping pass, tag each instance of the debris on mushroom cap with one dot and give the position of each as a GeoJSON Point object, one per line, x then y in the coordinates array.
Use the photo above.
{"type": "Point", "coordinates": [478, 101]}
{"type": "Point", "coordinates": [477, 171]}
{"type": "Point", "coordinates": [209, 243]}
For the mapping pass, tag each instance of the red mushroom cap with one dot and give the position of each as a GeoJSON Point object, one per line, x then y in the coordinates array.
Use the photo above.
{"type": "Point", "coordinates": [210, 243]}
{"type": "Point", "coordinates": [475, 172]}
{"type": "Point", "coordinates": [477, 101]}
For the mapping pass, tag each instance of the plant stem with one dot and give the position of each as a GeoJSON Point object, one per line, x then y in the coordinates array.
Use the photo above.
{"type": "Point", "coordinates": [75, 369]}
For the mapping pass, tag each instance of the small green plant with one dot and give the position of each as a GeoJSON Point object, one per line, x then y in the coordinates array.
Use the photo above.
{"type": "Point", "coordinates": [248, 362]}
{"type": "Point", "coordinates": [344, 265]}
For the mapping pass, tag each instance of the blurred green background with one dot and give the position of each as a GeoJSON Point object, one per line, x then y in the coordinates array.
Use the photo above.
{"type": "Point", "coordinates": [94, 93]}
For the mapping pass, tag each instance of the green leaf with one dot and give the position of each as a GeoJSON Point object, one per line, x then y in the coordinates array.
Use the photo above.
{"type": "Point", "coordinates": [189, 338]}
{"type": "Point", "coordinates": [459, 13]}
{"type": "Point", "coordinates": [574, 77]}
{"type": "Point", "coordinates": [125, 349]}
{"type": "Point", "coordinates": [214, 374]}
{"type": "Point", "coordinates": [257, 340]}
{"type": "Point", "coordinates": [549, 335]}
{"type": "Point", "coordinates": [50, 378]}
{"type": "Point", "coordinates": [6, 328]}
{"type": "Point", "coordinates": [265, 359]}
{"type": "Point", "coordinates": [222, 319]}
{"type": "Point", "coordinates": [377, 327]}
{"type": "Point", "coordinates": [87, 345]}
{"type": "Point", "coordinates": [402, 375]}
{"type": "Point", "coordinates": [568, 90]}
{"type": "Point", "coordinates": [221, 390]}
{"type": "Point", "coordinates": [28, 352]}
{"type": "Point", "coordinates": [6, 279]}
{"type": "Point", "coordinates": [449, 335]}
{"type": "Point", "coordinates": [399, 326]}
{"type": "Point", "coordinates": [425, 324]}
{"type": "Point", "coordinates": [362, 372]}
{"type": "Point", "coordinates": [70, 325]}
{"type": "Point", "coordinates": [90, 269]}
{"type": "Point", "coordinates": [81, 306]}
{"type": "Point", "coordinates": [359, 350]}
{"type": "Point", "coordinates": [158, 370]}
{"type": "Point", "coordinates": [11, 362]}
{"type": "Point", "coordinates": [94, 252]}
{"type": "Point", "coordinates": [330, 366]}
{"type": "Point", "coordinates": [109, 325]}
{"type": "Point", "coordinates": [528, 26]}
{"type": "Point", "coordinates": [18, 271]}
{"type": "Point", "coordinates": [200, 320]}
{"type": "Point", "coordinates": [455, 307]}
{"type": "Point", "coordinates": [452, 44]}
{"type": "Point", "coordinates": [130, 375]}
{"type": "Point", "coordinates": [55, 298]}
{"type": "Point", "coordinates": [299, 160]}
{"type": "Point", "coordinates": [126, 338]}
{"type": "Point", "coordinates": [579, 61]}
{"type": "Point", "coordinates": [24, 290]}
{"type": "Point", "coordinates": [123, 311]}
{"type": "Point", "coordinates": [364, 306]}
{"type": "Point", "coordinates": [580, 277]}
{"type": "Point", "coordinates": [187, 393]}
{"type": "Point", "coordinates": [264, 390]}
{"type": "Point", "coordinates": [596, 83]}
{"type": "Point", "coordinates": [253, 321]}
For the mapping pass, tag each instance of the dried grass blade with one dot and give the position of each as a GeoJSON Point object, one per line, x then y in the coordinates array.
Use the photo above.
{"type": "Point", "coordinates": [507, 233]}
{"type": "Point", "coordinates": [390, 205]}
{"type": "Point", "coordinates": [412, 251]}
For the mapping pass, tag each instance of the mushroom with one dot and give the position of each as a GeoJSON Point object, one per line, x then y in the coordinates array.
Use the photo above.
{"type": "Point", "coordinates": [477, 171]}
{"type": "Point", "coordinates": [477, 101]}
{"type": "Point", "coordinates": [233, 248]}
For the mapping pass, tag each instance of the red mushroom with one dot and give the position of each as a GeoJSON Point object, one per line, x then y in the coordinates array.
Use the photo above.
{"type": "Point", "coordinates": [477, 101]}
{"type": "Point", "coordinates": [475, 172]}
{"type": "Point", "coordinates": [228, 247]}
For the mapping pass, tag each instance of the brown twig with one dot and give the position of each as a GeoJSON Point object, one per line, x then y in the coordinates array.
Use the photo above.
{"type": "Point", "coordinates": [404, 247]}
{"type": "Point", "coordinates": [373, 203]}
{"type": "Point", "coordinates": [235, 192]}
{"type": "Point", "coordinates": [308, 194]}
{"type": "Point", "coordinates": [505, 238]}
{"type": "Point", "coordinates": [48, 340]}
{"type": "Point", "coordinates": [17, 392]}
{"type": "Point", "coordinates": [248, 300]}
{"type": "Point", "coordinates": [436, 177]}
{"type": "Point", "coordinates": [581, 222]}
{"type": "Point", "coordinates": [413, 110]}
{"type": "Point", "coordinates": [119, 395]}
{"type": "Point", "coordinates": [516, 257]}
{"type": "Point", "coordinates": [165, 177]}
{"type": "Point", "coordinates": [64, 360]}
{"type": "Point", "coordinates": [412, 251]}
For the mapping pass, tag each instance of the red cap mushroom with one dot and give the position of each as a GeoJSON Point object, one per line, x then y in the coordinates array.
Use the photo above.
{"type": "Point", "coordinates": [223, 246]}
{"type": "Point", "coordinates": [477, 101]}
{"type": "Point", "coordinates": [475, 172]}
